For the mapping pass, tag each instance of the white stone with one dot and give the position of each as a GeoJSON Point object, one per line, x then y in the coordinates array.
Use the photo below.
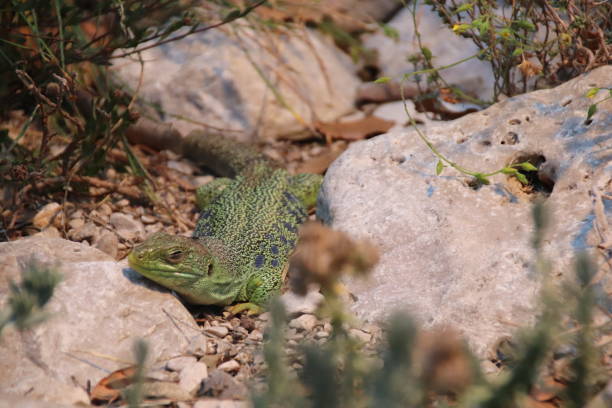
{"type": "Point", "coordinates": [192, 375]}
{"type": "Point", "coordinates": [207, 77]}
{"type": "Point", "coordinates": [178, 363]}
{"type": "Point", "coordinates": [97, 313]}
{"type": "Point", "coordinates": [219, 331]}
{"type": "Point", "coordinates": [127, 227]}
{"type": "Point", "coordinates": [305, 322]}
{"type": "Point", "coordinates": [296, 304]}
{"type": "Point", "coordinates": [46, 215]}
{"type": "Point", "coordinates": [229, 366]}
{"type": "Point", "coordinates": [452, 255]}
{"type": "Point", "coordinates": [216, 403]}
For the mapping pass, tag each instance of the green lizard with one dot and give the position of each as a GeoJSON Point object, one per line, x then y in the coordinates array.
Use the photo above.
{"type": "Point", "coordinates": [246, 231]}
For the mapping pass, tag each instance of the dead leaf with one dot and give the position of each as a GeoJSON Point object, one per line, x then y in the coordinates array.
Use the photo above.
{"type": "Point", "coordinates": [546, 389]}
{"type": "Point", "coordinates": [529, 69]}
{"type": "Point", "coordinates": [320, 163]}
{"type": "Point", "coordinates": [354, 130]}
{"type": "Point", "coordinates": [109, 388]}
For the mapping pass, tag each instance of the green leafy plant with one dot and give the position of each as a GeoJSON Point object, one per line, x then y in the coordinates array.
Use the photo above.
{"type": "Point", "coordinates": [591, 93]}
{"type": "Point", "coordinates": [532, 44]}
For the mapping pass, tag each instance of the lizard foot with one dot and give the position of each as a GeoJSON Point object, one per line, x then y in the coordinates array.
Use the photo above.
{"type": "Point", "coordinates": [251, 308]}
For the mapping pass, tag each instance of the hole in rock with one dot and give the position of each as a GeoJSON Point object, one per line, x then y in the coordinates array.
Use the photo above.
{"type": "Point", "coordinates": [511, 138]}
{"type": "Point", "coordinates": [540, 183]}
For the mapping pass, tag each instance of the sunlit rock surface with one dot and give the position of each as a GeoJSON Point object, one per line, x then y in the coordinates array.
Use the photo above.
{"type": "Point", "coordinates": [97, 312]}
{"type": "Point", "coordinates": [454, 255]}
{"type": "Point", "coordinates": [248, 81]}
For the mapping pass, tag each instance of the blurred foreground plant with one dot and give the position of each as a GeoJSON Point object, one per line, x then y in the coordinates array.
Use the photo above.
{"type": "Point", "coordinates": [412, 368]}
{"type": "Point", "coordinates": [27, 299]}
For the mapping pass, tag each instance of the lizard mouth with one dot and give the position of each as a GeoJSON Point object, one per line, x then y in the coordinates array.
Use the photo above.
{"type": "Point", "coordinates": [157, 270]}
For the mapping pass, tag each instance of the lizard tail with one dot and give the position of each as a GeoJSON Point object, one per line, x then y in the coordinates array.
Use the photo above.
{"type": "Point", "coordinates": [223, 155]}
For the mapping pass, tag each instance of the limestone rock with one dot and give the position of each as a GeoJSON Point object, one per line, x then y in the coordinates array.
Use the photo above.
{"type": "Point", "coordinates": [191, 376]}
{"type": "Point", "coordinates": [453, 255]}
{"type": "Point", "coordinates": [218, 403]}
{"type": "Point", "coordinates": [46, 215]}
{"type": "Point", "coordinates": [473, 76]}
{"type": "Point", "coordinates": [305, 322]}
{"type": "Point", "coordinates": [297, 305]}
{"type": "Point", "coordinates": [127, 227]}
{"type": "Point", "coordinates": [211, 77]}
{"type": "Point", "coordinates": [98, 311]}
{"type": "Point", "coordinates": [178, 363]}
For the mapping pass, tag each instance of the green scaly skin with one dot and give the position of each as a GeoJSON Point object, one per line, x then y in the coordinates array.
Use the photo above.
{"type": "Point", "coordinates": [246, 232]}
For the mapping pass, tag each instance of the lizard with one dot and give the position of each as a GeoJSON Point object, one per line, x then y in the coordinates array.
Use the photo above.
{"type": "Point", "coordinates": [245, 233]}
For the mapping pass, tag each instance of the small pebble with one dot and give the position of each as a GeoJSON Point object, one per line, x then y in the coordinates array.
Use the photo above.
{"type": "Point", "coordinates": [85, 232]}
{"type": "Point", "coordinates": [198, 345]}
{"type": "Point", "coordinates": [180, 166]}
{"type": "Point", "coordinates": [105, 209]}
{"type": "Point", "coordinates": [361, 335]}
{"type": "Point", "coordinates": [219, 331]}
{"type": "Point", "coordinates": [321, 335]}
{"type": "Point", "coordinates": [46, 215]}
{"type": "Point", "coordinates": [107, 242]}
{"type": "Point", "coordinates": [76, 223]}
{"type": "Point", "coordinates": [305, 322]}
{"type": "Point", "coordinates": [296, 304]}
{"type": "Point", "coordinates": [76, 214]}
{"type": "Point", "coordinates": [49, 232]}
{"type": "Point", "coordinates": [191, 376]}
{"type": "Point", "coordinates": [148, 219]}
{"type": "Point", "coordinates": [127, 227]}
{"type": "Point", "coordinates": [218, 403]}
{"type": "Point", "coordinates": [229, 366]}
{"type": "Point", "coordinates": [122, 203]}
{"type": "Point", "coordinates": [178, 363]}
{"type": "Point", "coordinates": [255, 335]}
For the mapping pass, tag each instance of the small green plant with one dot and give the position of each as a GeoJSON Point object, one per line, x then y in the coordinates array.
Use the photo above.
{"type": "Point", "coordinates": [591, 93]}
{"type": "Point", "coordinates": [134, 393]}
{"type": "Point", "coordinates": [27, 299]}
{"type": "Point", "coordinates": [532, 44]}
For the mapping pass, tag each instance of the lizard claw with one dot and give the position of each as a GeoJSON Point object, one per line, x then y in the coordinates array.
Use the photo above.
{"type": "Point", "coordinates": [251, 308]}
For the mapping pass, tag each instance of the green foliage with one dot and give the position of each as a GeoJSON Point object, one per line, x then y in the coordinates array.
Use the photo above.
{"type": "Point", "coordinates": [53, 60]}
{"type": "Point", "coordinates": [591, 93]}
{"type": "Point", "coordinates": [341, 373]}
{"type": "Point", "coordinates": [532, 44]}
{"type": "Point", "coordinates": [28, 298]}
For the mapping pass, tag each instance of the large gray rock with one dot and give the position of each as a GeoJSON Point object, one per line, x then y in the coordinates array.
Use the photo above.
{"type": "Point", "coordinates": [459, 256]}
{"type": "Point", "coordinates": [473, 76]}
{"type": "Point", "coordinates": [212, 78]}
{"type": "Point", "coordinates": [97, 313]}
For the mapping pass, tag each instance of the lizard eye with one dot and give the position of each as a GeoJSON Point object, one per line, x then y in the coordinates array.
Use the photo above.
{"type": "Point", "coordinates": [175, 256]}
{"type": "Point", "coordinates": [210, 269]}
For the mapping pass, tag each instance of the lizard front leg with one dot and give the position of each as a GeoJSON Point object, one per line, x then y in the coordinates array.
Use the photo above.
{"type": "Point", "coordinates": [259, 290]}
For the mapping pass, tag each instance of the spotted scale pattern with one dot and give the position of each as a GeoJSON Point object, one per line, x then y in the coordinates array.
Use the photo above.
{"type": "Point", "coordinates": [256, 218]}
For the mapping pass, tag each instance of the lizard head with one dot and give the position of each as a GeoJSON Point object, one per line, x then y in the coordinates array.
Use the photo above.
{"type": "Point", "coordinates": [173, 261]}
